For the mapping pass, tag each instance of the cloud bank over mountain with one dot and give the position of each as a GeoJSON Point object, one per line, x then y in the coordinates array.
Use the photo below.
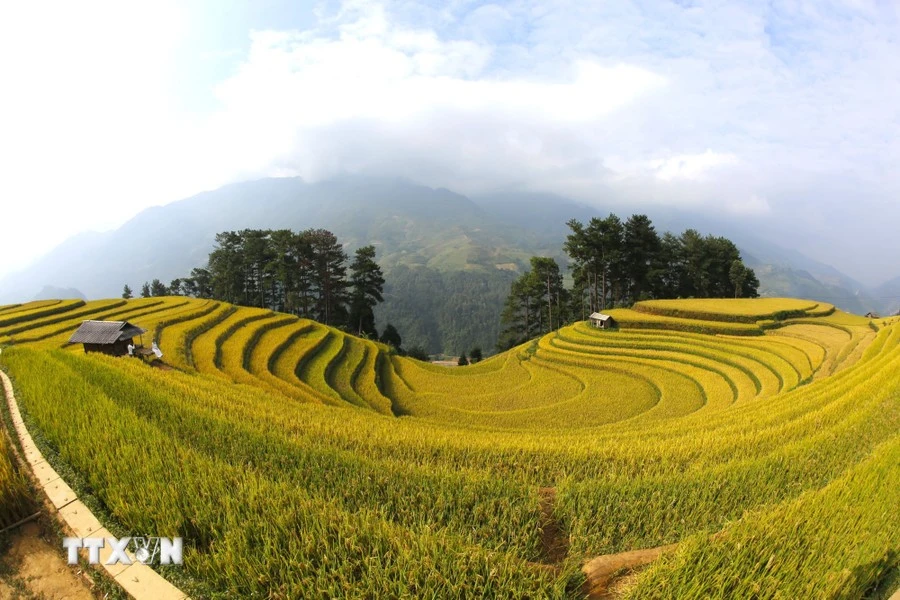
{"type": "Point", "coordinates": [784, 117]}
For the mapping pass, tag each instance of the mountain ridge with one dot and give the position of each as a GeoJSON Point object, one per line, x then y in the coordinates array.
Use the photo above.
{"type": "Point", "coordinates": [442, 250]}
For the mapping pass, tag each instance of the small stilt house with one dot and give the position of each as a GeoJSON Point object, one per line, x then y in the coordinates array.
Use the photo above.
{"type": "Point", "coordinates": [108, 337]}
{"type": "Point", "coordinates": [601, 321]}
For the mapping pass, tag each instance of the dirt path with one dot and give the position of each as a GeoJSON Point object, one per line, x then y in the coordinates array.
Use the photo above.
{"type": "Point", "coordinates": [31, 567]}
{"type": "Point", "coordinates": [554, 541]}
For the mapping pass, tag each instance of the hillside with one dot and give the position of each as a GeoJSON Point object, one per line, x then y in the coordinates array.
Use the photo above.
{"type": "Point", "coordinates": [787, 273]}
{"type": "Point", "coordinates": [448, 260]}
{"type": "Point", "coordinates": [445, 259]}
{"type": "Point", "coordinates": [378, 475]}
{"type": "Point", "coordinates": [889, 292]}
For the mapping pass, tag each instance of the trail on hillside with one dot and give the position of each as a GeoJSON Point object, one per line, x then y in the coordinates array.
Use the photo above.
{"type": "Point", "coordinates": [554, 541]}
{"type": "Point", "coordinates": [33, 568]}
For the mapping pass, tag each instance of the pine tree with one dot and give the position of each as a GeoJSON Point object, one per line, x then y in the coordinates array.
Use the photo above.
{"type": "Point", "coordinates": [475, 355]}
{"type": "Point", "coordinates": [157, 288]}
{"type": "Point", "coordinates": [329, 277]}
{"type": "Point", "coordinates": [546, 286]}
{"type": "Point", "coordinates": [256, 255]}
{"type": "Point", "coordinates": [200, 283]}
{"type": "Point", "coordinates": [126, 292]}
{"type": "Point", "coordinates": [640, 253]}
{"type": "Point", "coordinates": [367, 286]}
{"type": "Point", "coordinates": [391, 337]}
{"type": "Point", "coordinates": [738, 275]}
{"type": "Point", "coordinates": [283, 270]}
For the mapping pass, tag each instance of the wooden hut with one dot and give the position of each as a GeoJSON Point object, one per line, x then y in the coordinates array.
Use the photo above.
{"type": "Point", "coordinates": [601, 321]}
{"type": "Point", "coordinates": [108, 337]}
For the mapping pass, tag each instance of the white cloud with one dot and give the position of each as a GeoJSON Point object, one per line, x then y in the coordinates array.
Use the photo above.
{"type": "Point", "coordinates": [746, 108]}
{"type": "Point", "coordinates": [401, 75]}
{"type": "Point", "coordinates": [751, 205]}
{"type": "Point", "coordinates": [388, 99]}
{"type": "Point", "coordinates": [673, 168]}
{"type": "Point", "coordinates": [695, 167]}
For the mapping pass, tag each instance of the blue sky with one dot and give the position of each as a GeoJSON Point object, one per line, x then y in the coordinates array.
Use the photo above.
{"type": "Point", "coordinates": [784, 115]}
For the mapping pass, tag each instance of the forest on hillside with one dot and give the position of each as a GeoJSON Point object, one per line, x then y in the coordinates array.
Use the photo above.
{"type": "Point", "coordinates": [614, 264]}
{"type": "Point", "coordinates": [610, 263]}
{"type": "Point", "coordinates": [302, 273]}
{"type": "Point", "coordinates": [309, 274]}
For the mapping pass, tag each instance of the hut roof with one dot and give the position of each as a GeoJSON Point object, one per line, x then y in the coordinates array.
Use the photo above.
{"type": "Point", "coordinates": [599, 316]}
{"type": "Point", "coordinates": [104, 332]}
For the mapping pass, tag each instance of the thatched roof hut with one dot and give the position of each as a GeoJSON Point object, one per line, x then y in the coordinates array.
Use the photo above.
{"type": "Point", "coordinates": [108, 337]}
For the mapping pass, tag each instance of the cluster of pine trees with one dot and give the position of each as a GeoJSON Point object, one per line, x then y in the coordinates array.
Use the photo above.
{"type": "Point", "coordinates": [304, 273]}
{"type": "Point", "coordinates": [616, 264]}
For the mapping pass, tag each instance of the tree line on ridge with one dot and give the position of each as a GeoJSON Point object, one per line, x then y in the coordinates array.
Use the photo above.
{"type": "Point", "coordinates": [614, 264]}
{"type": "Point", "coordinates": [302, 273]}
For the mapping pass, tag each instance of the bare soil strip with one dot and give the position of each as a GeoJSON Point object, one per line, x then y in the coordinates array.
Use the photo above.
{"type": "Point", "coordinates": [554, 541]}
{"type": "Point", "coordinates": [34, 568]}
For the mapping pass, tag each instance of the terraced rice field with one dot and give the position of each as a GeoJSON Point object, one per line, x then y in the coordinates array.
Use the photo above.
{"type": "Point", "coordinates": [299, 461]}
{"type": "Point", "coordinates": [740, 310]}
{"type": "Point", "coordinates": [15, 503]}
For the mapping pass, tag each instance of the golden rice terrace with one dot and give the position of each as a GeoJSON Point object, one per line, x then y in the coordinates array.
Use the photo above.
{"type": "Point", "coordinates": [759, 438]}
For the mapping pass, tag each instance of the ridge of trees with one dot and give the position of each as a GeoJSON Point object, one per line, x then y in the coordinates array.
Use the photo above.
{"type": "Point", "coordinates": [616, 264]}
{"type": "Point", "coordinates": [611, 263]}
{"type": "Point", "coordinates": [302, 273]}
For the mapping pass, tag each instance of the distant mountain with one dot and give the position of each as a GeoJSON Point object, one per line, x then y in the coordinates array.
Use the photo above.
{"type": "Point", "coordinates": [48, 292]}
{"type": "Point", "coordinates": [442, 253]}
{"type": "Point", "coordinates": [889, 293]}
{"type": "Point", "coordinates": [781, 271]}
{"type": "Point", "coordinates": [409, 224]}
{"type": "Point", "coordinates": [786, 272]}
{"type": "Point", "coordinates": [545, 215]}
{"type": "Point", "coordinates": [448, 259]}
{"type": "Point", "coordinates": [779, 281]}
{"type": "Point", "coordinates": [773, 254]}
